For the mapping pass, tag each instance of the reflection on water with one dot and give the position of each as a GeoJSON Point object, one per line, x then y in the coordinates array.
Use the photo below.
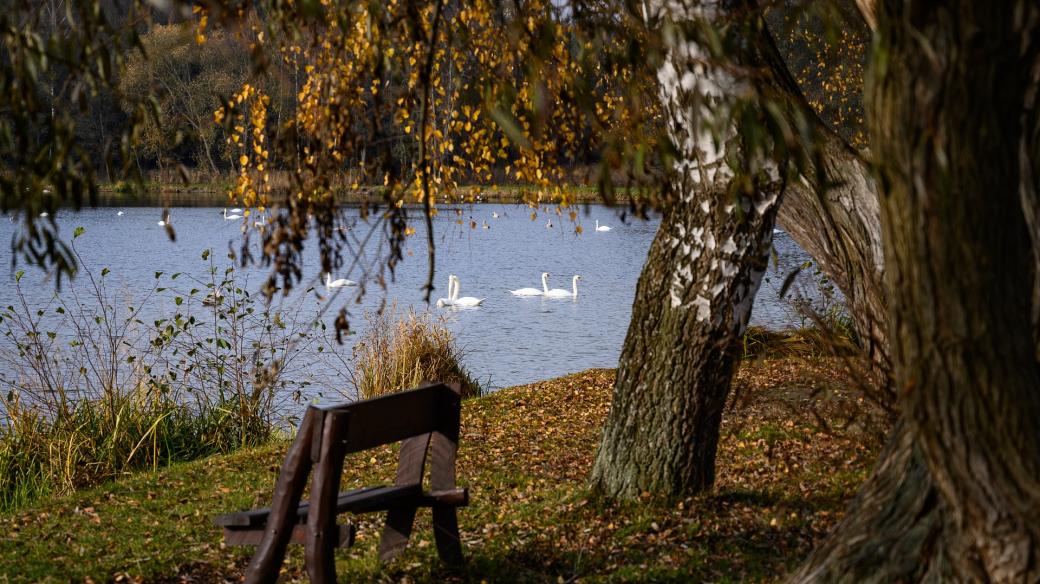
{"type": "Point", "coordinates": [508, 340]}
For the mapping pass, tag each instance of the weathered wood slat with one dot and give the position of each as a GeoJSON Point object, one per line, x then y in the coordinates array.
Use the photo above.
{"type": "Point", "coordinates": [347, 532]}
{"type": "Point", "coordinates": [394, 417]}
{"type": "Point", "coordinates": [357, 501]}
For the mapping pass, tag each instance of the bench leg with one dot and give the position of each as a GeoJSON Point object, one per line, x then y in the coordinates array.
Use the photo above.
{"type": "Point", "coordinates": [322, 531]}
{"type": "Point", "coordinates": [292, 478]}
{"type": "Point", "coordinates": [398, 528]}
{"type": "Point", "coordinates": [446, 532]}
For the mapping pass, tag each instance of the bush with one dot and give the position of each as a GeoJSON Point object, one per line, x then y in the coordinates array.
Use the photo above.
{"type": "Point", "coordinates": [398, 353]}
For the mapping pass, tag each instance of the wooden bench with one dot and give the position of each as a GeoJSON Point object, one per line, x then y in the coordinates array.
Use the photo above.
{"type": "Point", "coordinates": [425, 419]}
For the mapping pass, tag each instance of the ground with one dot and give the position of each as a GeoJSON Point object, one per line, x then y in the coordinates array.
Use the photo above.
{"type": "Point", "coordinates": [795, 446]}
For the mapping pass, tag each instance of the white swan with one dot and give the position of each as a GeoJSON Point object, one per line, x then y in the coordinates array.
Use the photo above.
{"type": "Point", "coordinates": [561, 293]}
{"type": "Point", "coordinates": [442, 302]}
{"type": "Point", "coordinates": [534, 291]}
{"type": "Point", "coordinates": [119, 214]}
{"type": "Point", "coordinates": [236, 210]}
{"type": "Point", "coordinates": [601, 227]}
{"type": "Point", "coordinates": [233, 215]}
{"type": "Point", "coordinates": [494, 215]}
{"type": "Point", "coordinates": [44, 214]}
{"type": "Point", "coordinates": [548, 224]}
{"type": "Point", "coordinates": [330, 283]}
{"type": "Point", "coordinates": [465, 300]}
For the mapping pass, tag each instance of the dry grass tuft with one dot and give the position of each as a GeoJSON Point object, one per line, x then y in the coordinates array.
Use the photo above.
{"type": "Point", "coordinates": [400, 352]}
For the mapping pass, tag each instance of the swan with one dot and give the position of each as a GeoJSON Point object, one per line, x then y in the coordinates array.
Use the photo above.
{"type": "Point", "coordinates": [465, 300]}
{"type": "Point", "coordinates": [442, 302]}
{"type": "Point", "coordinates": [44, 214]}
{"type": "Point", "coordinates": [601, 227]}
{"type": "Point", "coordinates": [494, 215]}
{"type": "Point", "coordinates": [486, 226]}
{"type": "Point", "coordinates": [236, 210]}
{"type": "Point", "coordinates": [548, 224]}
{"type": "Point", "coordinates": [330, 283]}
{"type": "Point", "coordinates": [561, 293]}
{"type": "Point", "coordinates": [119, 214]}
{"type": "Point", "coordinates": [233, 215]}
{"type": "Point", "coordinates": [534, 291]}
{"type": "Point", "coordinates": [164, 221]}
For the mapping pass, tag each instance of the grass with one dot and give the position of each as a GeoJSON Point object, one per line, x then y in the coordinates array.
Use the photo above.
{"type": "Point", "coordinates": [96, 441]}
{"type": "Point", "coordinates": [525, 454]}
{"type": "Point", "coordinates": [401, 351]}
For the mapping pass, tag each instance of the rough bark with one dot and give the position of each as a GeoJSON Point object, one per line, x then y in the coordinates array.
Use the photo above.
{"type": "Point", "coordinates": [947, 126]}
{"type": "Point", "coordinates": [692, 303]}
{"type": "Point", "coordinates": [694, 296]}
{"type": "Point", "coordinates": [839, 224]}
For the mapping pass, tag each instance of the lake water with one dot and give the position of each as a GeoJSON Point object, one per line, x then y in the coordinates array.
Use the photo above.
{"type": "Point", "coordinates": [506, 341]}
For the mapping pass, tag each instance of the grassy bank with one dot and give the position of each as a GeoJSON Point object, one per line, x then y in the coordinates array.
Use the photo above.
{"type": "Point", "coordinates": [525, 454]}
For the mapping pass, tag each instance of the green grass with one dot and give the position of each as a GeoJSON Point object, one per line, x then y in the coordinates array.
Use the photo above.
{"type": "Point", "coordinates": [525, 455]}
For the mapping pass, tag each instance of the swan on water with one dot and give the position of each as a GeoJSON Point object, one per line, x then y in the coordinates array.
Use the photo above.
{"type": "Point", "coordinates": [442, 302]}
{"type": "Point", "coordinates": [534, 291]}
{"type": "Point", "coordinates": [233, 215]}
{"type": "Point", "coordinates": [44, 214]}
{"type": "Point", "coordinates": [119, 214]}
{"type": "Point", "coordinates": [494, 214]}
{"type": "Point", "coordinates": [465, 300]}
{"type": "Point", "coordinates": [236, 210]}
{"type": "Point", "coordinates": [601, 227]}
{"type": "Point", "coordinates": [548, 224]}
{"type": "Point", "coordinates": [561, 293]}
{"type": "Point", "coordinates": [340, 283]}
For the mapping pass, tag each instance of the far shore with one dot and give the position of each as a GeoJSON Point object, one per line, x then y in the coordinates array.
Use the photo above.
{"type": "Point", "coordinates": [216, 195]}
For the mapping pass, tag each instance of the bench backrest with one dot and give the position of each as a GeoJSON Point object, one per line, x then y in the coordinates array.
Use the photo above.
{"type": "Point", "coordinates": [395, 417]}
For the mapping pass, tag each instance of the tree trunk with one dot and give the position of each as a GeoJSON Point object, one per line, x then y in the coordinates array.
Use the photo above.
{"type": "Point", "coordinates": [694, 297]}
{"type": "Point", "coordinates": [961, 271]}
{"type": "Point", "coordinates": [839, 225]}
{"type": "Point", "coordinates": [692, 304]}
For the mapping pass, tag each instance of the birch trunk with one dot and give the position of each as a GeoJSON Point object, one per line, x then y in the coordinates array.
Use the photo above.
{"type": "Point", "coordinates": [694, 297]}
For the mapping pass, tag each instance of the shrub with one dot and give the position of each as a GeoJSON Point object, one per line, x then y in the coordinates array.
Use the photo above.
{"type": "Point", "coordinates": [398, 353]}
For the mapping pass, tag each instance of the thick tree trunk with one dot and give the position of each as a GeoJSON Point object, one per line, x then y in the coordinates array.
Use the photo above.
{"type": "Point", "coordinates": [947, 126]}
{"type": "Point", "coordinates": [694, 297]}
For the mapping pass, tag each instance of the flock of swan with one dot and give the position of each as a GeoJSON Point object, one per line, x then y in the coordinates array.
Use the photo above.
{"type": "Point", "coordinates": [455, 287]}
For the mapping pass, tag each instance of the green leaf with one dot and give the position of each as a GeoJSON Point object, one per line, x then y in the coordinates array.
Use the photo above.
{"type": "Point", "coordinates": [18, 275]}
{"type": "Point", "coordinates": [178, 300]}
{"type": "Point", "coordinates": [105, 272]}
{"type": "Point", "coordinates": [78, 231]}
